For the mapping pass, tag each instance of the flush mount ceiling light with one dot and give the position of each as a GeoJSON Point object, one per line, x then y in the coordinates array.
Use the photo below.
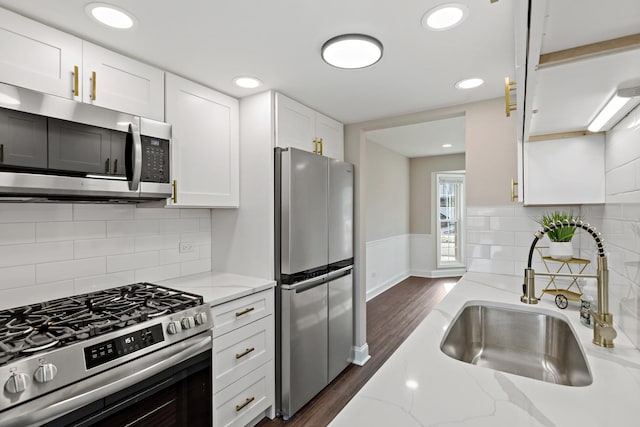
{"type": "Point", "coordinates": [444, 17]}
{"type": "Point", "coordinates": [247, 82]}
{"type": "Point", "coordinates": [352, 51]}
{"type": "Point", "coordinates": [623, 101]}
{"type": "Point", "coordinates": [469, 83]}
{"type": "Point", "coordinates": [111, 16]}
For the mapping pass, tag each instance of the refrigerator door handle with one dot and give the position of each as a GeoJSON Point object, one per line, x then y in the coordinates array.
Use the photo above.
{"type": "Point", "coordinates": [305, 285]}
{"type": "Point", "coordinates": [344, 271]}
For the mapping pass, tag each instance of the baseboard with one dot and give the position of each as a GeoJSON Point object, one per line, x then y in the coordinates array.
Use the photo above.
{"type": "Point", "coordinates": [361, 354]}
{"type": "Point", "coordinates": [435, 274]}
{"type": "Point", "coordinates": [372, 293]}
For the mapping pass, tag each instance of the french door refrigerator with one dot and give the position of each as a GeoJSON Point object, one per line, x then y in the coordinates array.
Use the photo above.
{"type": "Point", "coordinates": [314, 263]}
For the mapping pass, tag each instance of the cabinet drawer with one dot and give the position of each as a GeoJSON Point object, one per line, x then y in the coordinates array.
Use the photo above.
{"type": "Point", "coordinates": [234, 314]}
{"type": "Point", "coordinates": [245, 399]}
{"type": "Point", "coordinates": [241, 351]}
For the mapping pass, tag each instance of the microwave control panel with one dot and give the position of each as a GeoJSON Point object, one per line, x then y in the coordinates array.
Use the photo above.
{"type": "Point", "coordinates": [155, 159]}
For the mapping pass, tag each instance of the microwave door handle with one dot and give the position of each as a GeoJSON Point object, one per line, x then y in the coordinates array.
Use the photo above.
{"type": "Point", "coordinates": [136, 156]}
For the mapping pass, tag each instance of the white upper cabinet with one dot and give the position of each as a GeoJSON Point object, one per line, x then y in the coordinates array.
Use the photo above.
{"type": "Point", "coordinates": [205, 144]}
{"type": "Point", "coordinates": [123, 84]}
{"type": "Point", "coordinates": [38, 57]}
{"type": "Point", "coordinates": [299, 126]}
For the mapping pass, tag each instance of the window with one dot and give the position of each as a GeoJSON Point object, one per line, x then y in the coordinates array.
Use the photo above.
{"type": "Point", "coordinates": [449, 227]}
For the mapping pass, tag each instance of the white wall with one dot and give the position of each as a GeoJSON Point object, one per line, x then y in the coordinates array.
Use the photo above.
{"type": "Point", "coordinates": [54, 250]}
{"type": "Point", "coordinates": [619, 222]}
{"type": "Point", "coordinates": [387, 218]}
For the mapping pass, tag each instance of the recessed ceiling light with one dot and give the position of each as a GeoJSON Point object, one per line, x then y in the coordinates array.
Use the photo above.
{"type": "Point", "coordinates": [352, 51]}
{"type": "Point", "coordinates": [469, 83]}
{"type": "Point", "coordinates": [447, 145]}
{"type": "Point", "coordinates": [445, 16]}
{"type": "Point", "coordinates": [247, 82]}
{"type": "Point", "coordinates": [412, 384]}
{"type": "Point", "coordinates": [110, 16]}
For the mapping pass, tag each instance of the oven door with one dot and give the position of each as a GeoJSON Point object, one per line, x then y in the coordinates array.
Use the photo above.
{"type": "Point", "coordinates": [170, 387]}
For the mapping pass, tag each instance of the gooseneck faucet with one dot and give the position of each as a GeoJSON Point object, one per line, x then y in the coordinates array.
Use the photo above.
{"type": "Point", "coordinates": [603, 331]}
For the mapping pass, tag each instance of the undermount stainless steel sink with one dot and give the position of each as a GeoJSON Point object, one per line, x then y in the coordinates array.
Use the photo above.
{"type": "Point", "coordinates": [531, 344]}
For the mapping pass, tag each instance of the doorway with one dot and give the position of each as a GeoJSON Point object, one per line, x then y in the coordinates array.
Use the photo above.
{"type": "Point", "coordinates": [450, 207]}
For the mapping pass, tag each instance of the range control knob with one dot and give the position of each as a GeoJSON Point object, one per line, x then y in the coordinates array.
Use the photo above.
{"type": "Point", "coordinates": [45, 372]}
{"type": "Point", "coordinates": [174, 327]}
{"type": "Point", "coordinates": [17, 383]}
{"type": "Point", "coordinates": [200, 318]}
{"type": "Point", "coordinates": [188, 322]}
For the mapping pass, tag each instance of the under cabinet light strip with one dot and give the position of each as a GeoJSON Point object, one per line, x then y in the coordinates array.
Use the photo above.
{"type": "Point", "coordinates": [623, 101]}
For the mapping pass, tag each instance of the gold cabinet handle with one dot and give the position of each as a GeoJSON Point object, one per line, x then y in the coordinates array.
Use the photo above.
{"type": "Point", "coordinates": [244, 353]}
{"type": "Point", "coordinates": [93, 85]}
{"type": "Point", "coordinates": [315, 145]}
{"type": "Point", "coordinates": [76, 82]}
{"type": "Point", "coordinates": [508, 88]}
{"type": "Point", "coordinates": [175, 191]}
{"type": "Point", "coordinates": [245, 403]}
{"type": "Point", "coordinates": [245, 311]}
{"type": "Point", "coordinates": [320, 142]}
{"type": "Point", "coordinates": [514, 194]}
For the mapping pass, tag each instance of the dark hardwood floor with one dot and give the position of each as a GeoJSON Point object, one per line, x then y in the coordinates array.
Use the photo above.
{"type": "Point", "coordinates": [391, 317]}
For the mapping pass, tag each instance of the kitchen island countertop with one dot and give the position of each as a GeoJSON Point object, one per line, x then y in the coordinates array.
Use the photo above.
{"type": "Point", "coordinates": [218, 288]}
{"type": "Point", "coordinates": [421, 386]}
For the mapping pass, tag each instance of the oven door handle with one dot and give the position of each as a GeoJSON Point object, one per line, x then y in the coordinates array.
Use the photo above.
{"type": "Point", "coordinates": [57, 404]}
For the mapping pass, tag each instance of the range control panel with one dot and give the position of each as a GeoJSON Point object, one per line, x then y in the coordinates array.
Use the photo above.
{"type": "Point", "coordinates": [155, 159]}
{"type": "Point", "coordinates": [107, 351]}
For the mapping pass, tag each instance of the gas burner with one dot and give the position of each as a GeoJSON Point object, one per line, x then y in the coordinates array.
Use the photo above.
{"type": "Point", "coordinates": [37, 327]}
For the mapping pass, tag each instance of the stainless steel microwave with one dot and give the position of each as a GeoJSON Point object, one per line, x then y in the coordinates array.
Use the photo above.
{"type": "Point", "coordinates": [54, 149]}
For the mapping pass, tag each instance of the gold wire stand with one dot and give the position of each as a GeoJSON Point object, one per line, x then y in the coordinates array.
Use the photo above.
{"type": "Point", "coordinates": [570, 293]}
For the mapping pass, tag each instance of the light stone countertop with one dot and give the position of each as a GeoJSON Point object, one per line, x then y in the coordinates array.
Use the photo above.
{"type": "Point", "coordinates": [454, 393]}
{"type": "Point", "coordinates": [218, 288]}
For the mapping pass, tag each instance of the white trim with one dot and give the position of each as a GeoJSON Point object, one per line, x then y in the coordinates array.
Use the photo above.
{"type": "Point", "coordinates": [360, 354]}
{"type": "Point", "coordinates": [435, 218]}
{"type": "Point", "coordinates": [435, 274]}
{"type": "Point", "coordinates": [372, 293]}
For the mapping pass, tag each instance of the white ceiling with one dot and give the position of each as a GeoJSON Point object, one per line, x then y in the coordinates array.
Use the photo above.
{"type": "Point", "coordinates": [278, 41]}
{"type": "Point", "coordinates": [423, 139]}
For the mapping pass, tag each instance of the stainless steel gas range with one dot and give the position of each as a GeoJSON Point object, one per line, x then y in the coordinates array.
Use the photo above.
{"type": "Point", "coordinates": [134, 355]}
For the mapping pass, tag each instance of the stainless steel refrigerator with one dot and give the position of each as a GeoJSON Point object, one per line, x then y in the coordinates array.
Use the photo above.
{"type": "Point", "coordinates": [314, 263]}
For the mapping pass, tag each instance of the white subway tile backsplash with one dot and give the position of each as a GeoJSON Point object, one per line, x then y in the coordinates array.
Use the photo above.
{"type": "Point", "coordinates": [478, 223]}
{"type": "Point", "coordinates": [17, 233]}
{"type": "Point", "coordinates": [57, 231]}
{"type": "Point", "coordinates": [513, 223]}
{"type": "Point", "coordinates": [133, 228]}
{"type": "Point", "coordinates": [88, 284]}
{"type": "Point", "coordinates": [490, 210]}
{"type": "Point", "coordinates": [35, 253]}
{"type": "Point", "coordinates": [491, 266]}
{"type": "Point", "coordinates": [195, 213]}
{"type": "Point", "coordinates": [54, 250]}
{"type": "Point", "coordinates": [32, 212]}
{"type": "Point", "coordinates": [154, 274]}
{"type": "Point", "coordinates": [198, 238]}
{"type": "Point", "coordinates": [15, 297]}
{"type": "Point", "coordinates": [154, 243]}
{"type": "Point", "coordinates": [494, 237]}
{"type": "Point", "coordinates": [96, 212]}
{"type": "Point", "coordinates": [621, 179]}
{"type": "Point", "coordinates": [103, 247]}
{"type": "Point", "coordinates": [195, 267]}
{"type": "Point", "coordinates": [132, 261]}
{"type": "Point", "coordinates": [179, 225]}
{"type": "Point", "coordinates": [155, 213]}
{"type": "Point", "coordinates": [57, 271]}
{"type": "Point", "coordinates": [509, 253]}
{"type": "Point", "coordinates": [15, 277]}
{"type": "Point", "coordinates": [479, 251]}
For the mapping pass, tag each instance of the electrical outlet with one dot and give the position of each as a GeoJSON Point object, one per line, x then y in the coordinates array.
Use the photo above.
{"type": "Point", "coordinates": [186, 247]}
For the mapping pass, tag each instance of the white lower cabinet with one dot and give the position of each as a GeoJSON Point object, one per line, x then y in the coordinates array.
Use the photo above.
{"type": "Point", "coordinates": [243, 360]}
